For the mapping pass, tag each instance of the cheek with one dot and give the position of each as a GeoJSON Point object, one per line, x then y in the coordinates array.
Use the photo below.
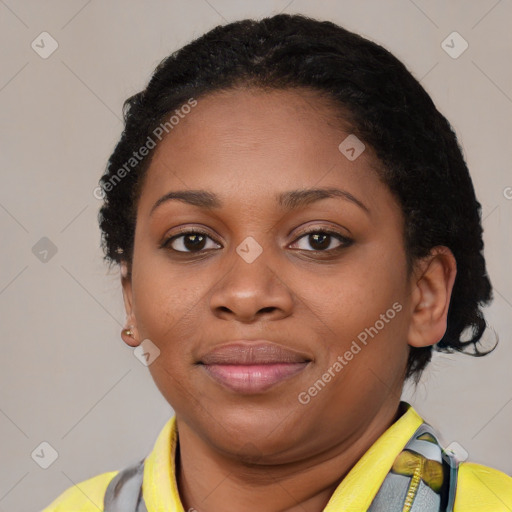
{"type": "Point", "coordinates": [166, 310]}
{"type": "Point", "coordinates": [166, 307]}
{"type": "Point", "coordinates": [360, 310]}
{"type": "Point", "coordinates": [355, 293]}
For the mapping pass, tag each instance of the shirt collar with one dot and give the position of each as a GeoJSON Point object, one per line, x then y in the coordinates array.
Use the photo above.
{"type": "Point", "coordinates": [354, 494]}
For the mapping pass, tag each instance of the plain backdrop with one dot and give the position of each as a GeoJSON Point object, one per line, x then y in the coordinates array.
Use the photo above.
{"type": "Point", "coordinates": [67, 378]}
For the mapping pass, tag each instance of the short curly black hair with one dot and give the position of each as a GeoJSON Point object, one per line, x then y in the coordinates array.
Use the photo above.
{"type": "Point", "coordinates": [420, 159]}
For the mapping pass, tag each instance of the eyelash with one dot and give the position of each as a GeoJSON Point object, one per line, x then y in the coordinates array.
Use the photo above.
{"type": "Point", "coordinates": [345, 241]}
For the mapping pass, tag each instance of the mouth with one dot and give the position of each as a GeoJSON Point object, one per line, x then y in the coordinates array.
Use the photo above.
{"type": "Point", "coordinates": [251, 368]}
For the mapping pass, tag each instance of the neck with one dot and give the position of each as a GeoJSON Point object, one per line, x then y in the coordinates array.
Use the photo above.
{"type": "Point", "coordinates": [209, 481]}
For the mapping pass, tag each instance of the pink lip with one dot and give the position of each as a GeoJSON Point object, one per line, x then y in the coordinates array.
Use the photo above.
{"type": "Point", "coordinates": [252, 367]}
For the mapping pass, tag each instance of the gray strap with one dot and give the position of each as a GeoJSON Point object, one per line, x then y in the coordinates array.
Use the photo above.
{"type": "Point", "coordinates": [124, 492]}
{"type": "Point", "coordinates": [394, 494]}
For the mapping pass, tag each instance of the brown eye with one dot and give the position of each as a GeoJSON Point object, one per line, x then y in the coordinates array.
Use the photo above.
{"type": "Point", "coordinates": [189, 241]}
{"type": "Point", "coordinates": [321, 240]}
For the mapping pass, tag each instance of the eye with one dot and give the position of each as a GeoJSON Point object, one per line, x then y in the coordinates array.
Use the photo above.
{"type": "Point", "coordinates": [189, 241]}
{"type": "Point", "coordinates": [321, 240]}
{"type": "Point", "coordinates": [196, 241]}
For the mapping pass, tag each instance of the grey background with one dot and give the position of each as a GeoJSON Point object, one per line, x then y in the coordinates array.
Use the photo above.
{"type": "Point", "coordinates": [66, 376]}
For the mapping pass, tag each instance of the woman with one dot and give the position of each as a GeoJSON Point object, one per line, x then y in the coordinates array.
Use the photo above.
{"type": "Point", "coordinates": [296, 230]}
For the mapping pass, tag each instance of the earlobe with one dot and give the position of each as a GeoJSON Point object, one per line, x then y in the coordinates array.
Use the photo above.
{"type": "Point", "coordinates": [130, 337]}
{"type": "Point", "coordinates": [129, 334]}
{"type": "Point", "coordinates": [431, 297]}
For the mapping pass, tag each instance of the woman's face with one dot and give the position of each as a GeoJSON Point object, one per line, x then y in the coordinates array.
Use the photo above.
{"type": "Point", "coordinates": [271, 341]}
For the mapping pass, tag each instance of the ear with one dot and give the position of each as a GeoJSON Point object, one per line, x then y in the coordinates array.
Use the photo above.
{"type": "Point", "coordinates": [131, 323]}
{"type": "Point", "coordinates": [431, 294]}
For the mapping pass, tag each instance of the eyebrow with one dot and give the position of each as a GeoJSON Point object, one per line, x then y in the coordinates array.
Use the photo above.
{"type": "Point", "coordinates": [290, 200]}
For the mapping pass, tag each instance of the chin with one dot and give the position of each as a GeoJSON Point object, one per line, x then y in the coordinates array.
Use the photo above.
{"type": "Point", "coordinates": [255, 436]}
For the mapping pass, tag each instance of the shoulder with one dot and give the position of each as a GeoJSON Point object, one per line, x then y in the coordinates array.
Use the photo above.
{"type": "Point", "coordinates": [86, 496]}
{"type": "Point", "coordinates": [482, 489]}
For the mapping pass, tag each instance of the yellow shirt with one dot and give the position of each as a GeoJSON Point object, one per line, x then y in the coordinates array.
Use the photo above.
{"type": "Point", "coordinates": [479, 488]}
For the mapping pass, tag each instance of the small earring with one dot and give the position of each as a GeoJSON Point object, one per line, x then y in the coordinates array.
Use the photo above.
{"type": "Point", "coordinates": [128, 332]}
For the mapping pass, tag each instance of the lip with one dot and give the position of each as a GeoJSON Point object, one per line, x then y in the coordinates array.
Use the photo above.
{"type": "Point", "coordinates": [252, 367]}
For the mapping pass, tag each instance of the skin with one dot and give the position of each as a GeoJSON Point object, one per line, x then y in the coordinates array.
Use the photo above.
{"type": "Point", "coordinates": [268, 451]}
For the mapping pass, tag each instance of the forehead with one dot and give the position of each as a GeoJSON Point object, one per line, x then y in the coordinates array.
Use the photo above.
{"type": "Point", "coordinates": [255, 116]}
{"type": "Point", "coordinates": [251, 143]}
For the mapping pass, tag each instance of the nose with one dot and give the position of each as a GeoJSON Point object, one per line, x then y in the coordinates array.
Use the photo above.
{"type": "Point", "coordinates": [250, 291]}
